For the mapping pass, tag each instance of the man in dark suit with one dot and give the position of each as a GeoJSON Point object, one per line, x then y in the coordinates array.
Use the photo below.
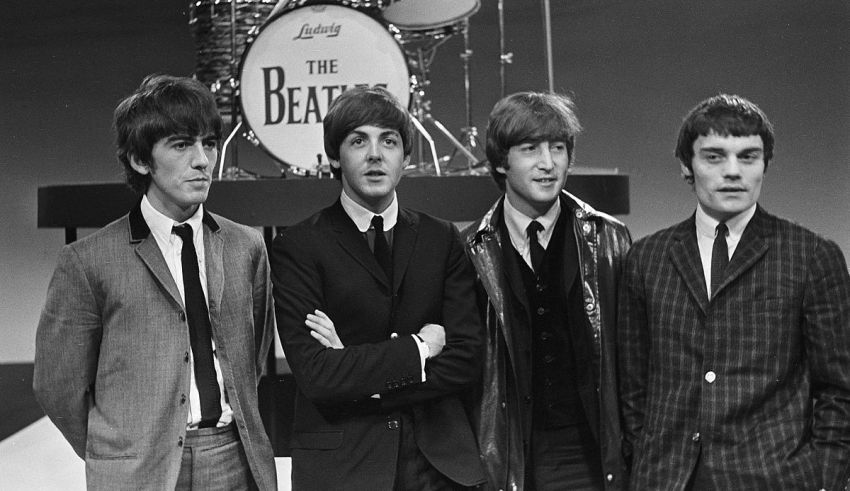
{"type": "Point", "coordinates": [156, 327]}
{"type": "Point", "coordinates": [735, 329]}
{"type": "Point", "coordinates": [548, 265]}
{"type": "Point", "coordinates": [377, 319]}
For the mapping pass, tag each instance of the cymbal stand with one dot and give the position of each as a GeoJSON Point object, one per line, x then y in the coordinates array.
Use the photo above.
{"type": "Point", "coordinates": [420, 61]}
{"type": "Point", "coordinates": [469, 133]}
{"type": "Point", "coordinates": [504, 58]}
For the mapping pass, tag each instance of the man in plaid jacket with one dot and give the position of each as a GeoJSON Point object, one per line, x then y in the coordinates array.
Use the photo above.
{"type": "Point", "coordinates": [734, 330]}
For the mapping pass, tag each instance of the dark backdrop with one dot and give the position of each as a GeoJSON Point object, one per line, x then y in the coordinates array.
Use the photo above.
{"type": "Point", "coordinates": [634, 67]}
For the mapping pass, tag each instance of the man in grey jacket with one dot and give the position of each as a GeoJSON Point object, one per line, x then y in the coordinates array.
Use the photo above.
{"type": "Point", "coordinates": [156, 327]}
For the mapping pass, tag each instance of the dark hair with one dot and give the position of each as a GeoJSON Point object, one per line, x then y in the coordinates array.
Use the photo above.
{"type": "Point", "coordinates": [163, 105]}
{"type": "Point", "coordinates": [724, 115]}
{"type": "Point", "coordinates": [529, 117]}
{"type": "Point", "coordinates": [360, 106]}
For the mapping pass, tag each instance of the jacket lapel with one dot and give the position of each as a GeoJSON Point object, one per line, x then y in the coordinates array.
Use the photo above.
{"type": "Point", "coordinates": [352, 241]}
{"type": "Point", "coordinates": [751, 248]}
{"type": "Point", "coordinates": [148, 251]}
{"type": "Point", "coordinates": [405, 234]}
{"type": "Point", "coordinates": [214, 258]}
{"type": "Point", "coordinates": [684, 253]}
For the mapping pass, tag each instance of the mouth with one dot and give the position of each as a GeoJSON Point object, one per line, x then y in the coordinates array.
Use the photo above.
{"type": "Point", "coordinates": [375, 173]}
{"type": "Point", "coordinates": [545, 180]}
{"type": "Point", "coordinates": [731, 189]}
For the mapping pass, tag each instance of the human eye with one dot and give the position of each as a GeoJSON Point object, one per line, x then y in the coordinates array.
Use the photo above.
{"type": "Point", "coordinates": [180, 145]}
{"type": "Point", "coordinates": [391, 141]}
{"type": "Point", "coordinates": [558, 147]}
{"type": "Point", "coordinates": [713, 157]}
{"type": "Point", "coordinates": [750, 157]}
{"type": "Point", "coordinates": [211, 143]}
{"type": "Point", "coordinates": [528, 147]}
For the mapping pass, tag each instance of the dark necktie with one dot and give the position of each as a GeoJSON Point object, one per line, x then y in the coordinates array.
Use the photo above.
{"type": "Point", "coordinates": [200, 330]}
{"type": "Point", "coordinates": [719, 257]}
{"type": "Point", "coordinates": [534, 246]}
{"type": "Point", "coordinates": [382, 247]}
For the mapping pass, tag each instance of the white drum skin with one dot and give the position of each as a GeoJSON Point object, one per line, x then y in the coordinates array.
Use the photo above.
{"type": "Point", "coordinates": [302, 60]}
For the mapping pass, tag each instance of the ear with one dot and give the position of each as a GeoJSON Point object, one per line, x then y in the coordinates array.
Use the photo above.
{"type": "Point", "coordinates": [501, 169]}
{"type": "Point", "coordinates": [139, 166]}
{"type": "Point", "coordinates": [686, 173]}
{"type": "Point", "coordinates": [406, 161]}
{"type": "Point", "coordinates": [334, 163]}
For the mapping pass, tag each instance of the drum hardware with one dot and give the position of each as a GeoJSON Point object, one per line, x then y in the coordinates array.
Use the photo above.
{"type": "Point", "coordinates": [416, 27]}
{"type": "Point", "coordinates": [421, 60]}
{"type": "Point", "coordinates": [504, 58]}
{"type": "Point", "coordinates": [547, 30]}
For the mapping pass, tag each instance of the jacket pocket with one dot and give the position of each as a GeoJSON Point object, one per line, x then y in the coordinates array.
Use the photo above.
{"type": "Point", "coordinates": [317, 440]}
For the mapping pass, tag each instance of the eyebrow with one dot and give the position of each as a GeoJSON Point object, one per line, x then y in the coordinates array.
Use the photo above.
{"type": "Point", "coordinates": [384, 133]}
{"type": "Point", "coordinates": [723, 150]}
{"type": "Point", "coordinates": [186, 137]}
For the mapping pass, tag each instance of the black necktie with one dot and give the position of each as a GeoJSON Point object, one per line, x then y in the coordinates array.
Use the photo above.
{"type": "Point", "coordinates": [200, 330]}
{"type": "Point", "coordinates": [534, 246]}
{"type": "Point", "coordinates": [719, 257]}
{"type": "Point", "coordinates": [382, 247]}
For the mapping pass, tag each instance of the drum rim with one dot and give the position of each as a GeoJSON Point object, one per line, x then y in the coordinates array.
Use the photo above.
{"type": "Point", "coordinates": [249, 46]}
{"type": "Point", "coordinates": [427, 27]}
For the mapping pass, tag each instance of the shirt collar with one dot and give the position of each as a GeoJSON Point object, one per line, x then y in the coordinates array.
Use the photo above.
{"type": "Point", "coordinates": [706, 225]}
{"type": "Point", "coordinates": [362, 217]}
{"type": "Point", "coordinates": [517, 223]}
{"type": "Point", "coordinates": [161, 225]}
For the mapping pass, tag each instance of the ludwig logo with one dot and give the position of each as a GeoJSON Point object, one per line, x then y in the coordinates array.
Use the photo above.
{"type": "Point", "coordinates": [309, 32]}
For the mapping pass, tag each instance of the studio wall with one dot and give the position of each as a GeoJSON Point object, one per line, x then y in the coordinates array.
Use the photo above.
{"type": "Point", "coordinates": [634, 69]}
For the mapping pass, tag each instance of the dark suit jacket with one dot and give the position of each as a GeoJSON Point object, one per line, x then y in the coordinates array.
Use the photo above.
{"type": "Point", "coordinates": [753, 383]}
{"type": "Point", "coordinates": [342, 437]}
{"type": "Point", "coordinates": [112, 350]}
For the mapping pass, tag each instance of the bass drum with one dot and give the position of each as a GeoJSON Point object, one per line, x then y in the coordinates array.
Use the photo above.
{"type": "Point", "coordinates": [301, 61]}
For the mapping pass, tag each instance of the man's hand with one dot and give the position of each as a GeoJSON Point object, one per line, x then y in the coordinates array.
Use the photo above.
{"type": "Point", "coordinates": [323, 330]}
{"type": "Point", "coordinates": [434, 335]}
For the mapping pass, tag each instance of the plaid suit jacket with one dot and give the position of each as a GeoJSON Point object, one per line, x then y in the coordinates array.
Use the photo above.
{"type": "Point", "coordinates": [752, 384]}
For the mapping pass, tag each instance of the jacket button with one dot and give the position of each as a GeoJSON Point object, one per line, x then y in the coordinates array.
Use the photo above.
{"type": "Point", "coordinates": [695, 437]}
{"type": "Point", "coordinates": [394, 335]}
{"type": "Point", "coordinates": [541, 310]}
{"type": "Point", "coordinates": [710, 377]}
{"type": "Point", "coordinates": [180, 442]}
{"type": "Point", "coordinates": [586, 228]}
{"type": "Point", "coordinates": [609, 477]}
{"type": "Point", "coordinates": [183, 399]}
{"type": "Point", "coordinates": [186, 357]}
{"type": "Point", "coordinates": [528, 399]}
{"type": "Point", "coordinates": [392, 424]}
{"type": "Point", "coordinates": [182, 316]}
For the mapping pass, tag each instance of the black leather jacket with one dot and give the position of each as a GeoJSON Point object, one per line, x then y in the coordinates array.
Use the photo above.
{"type": "Point", "coordinates": [502, 421]}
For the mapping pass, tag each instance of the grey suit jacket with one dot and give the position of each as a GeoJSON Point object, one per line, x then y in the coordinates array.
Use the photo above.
{"type": "Point", "coordinates": [752, 384]}
{"type": "Point", "coordinates": [112, 350]}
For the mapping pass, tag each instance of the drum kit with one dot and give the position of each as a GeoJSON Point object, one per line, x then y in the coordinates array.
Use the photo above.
{"type": "Point", "coordinates": [276, 65]}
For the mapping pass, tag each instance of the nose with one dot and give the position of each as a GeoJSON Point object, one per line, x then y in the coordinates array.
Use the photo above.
{"type": "Point", "coordinates": [201, 157]}
{"type": "Point", "coordinates": [732, 167]}
{"type": "Point", "coordinates": [545, 161]}
{"type": "Point", "coordinates": [374, 150]}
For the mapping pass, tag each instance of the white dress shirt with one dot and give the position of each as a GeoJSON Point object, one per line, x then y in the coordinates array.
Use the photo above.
{"type": "Point", "coordinates": [172, 248]}
{"type": "Point", "coordinates": [517, 223]}
{"type": "Point", "coordinates": [706, 230]}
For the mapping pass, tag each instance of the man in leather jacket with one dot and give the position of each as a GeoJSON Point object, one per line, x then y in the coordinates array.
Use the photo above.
{"type": "Point", "coordinates": [548, 265]}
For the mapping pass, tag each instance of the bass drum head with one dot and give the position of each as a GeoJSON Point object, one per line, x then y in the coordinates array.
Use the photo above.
{"type": "Point", "coordinates": [300, 62]}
